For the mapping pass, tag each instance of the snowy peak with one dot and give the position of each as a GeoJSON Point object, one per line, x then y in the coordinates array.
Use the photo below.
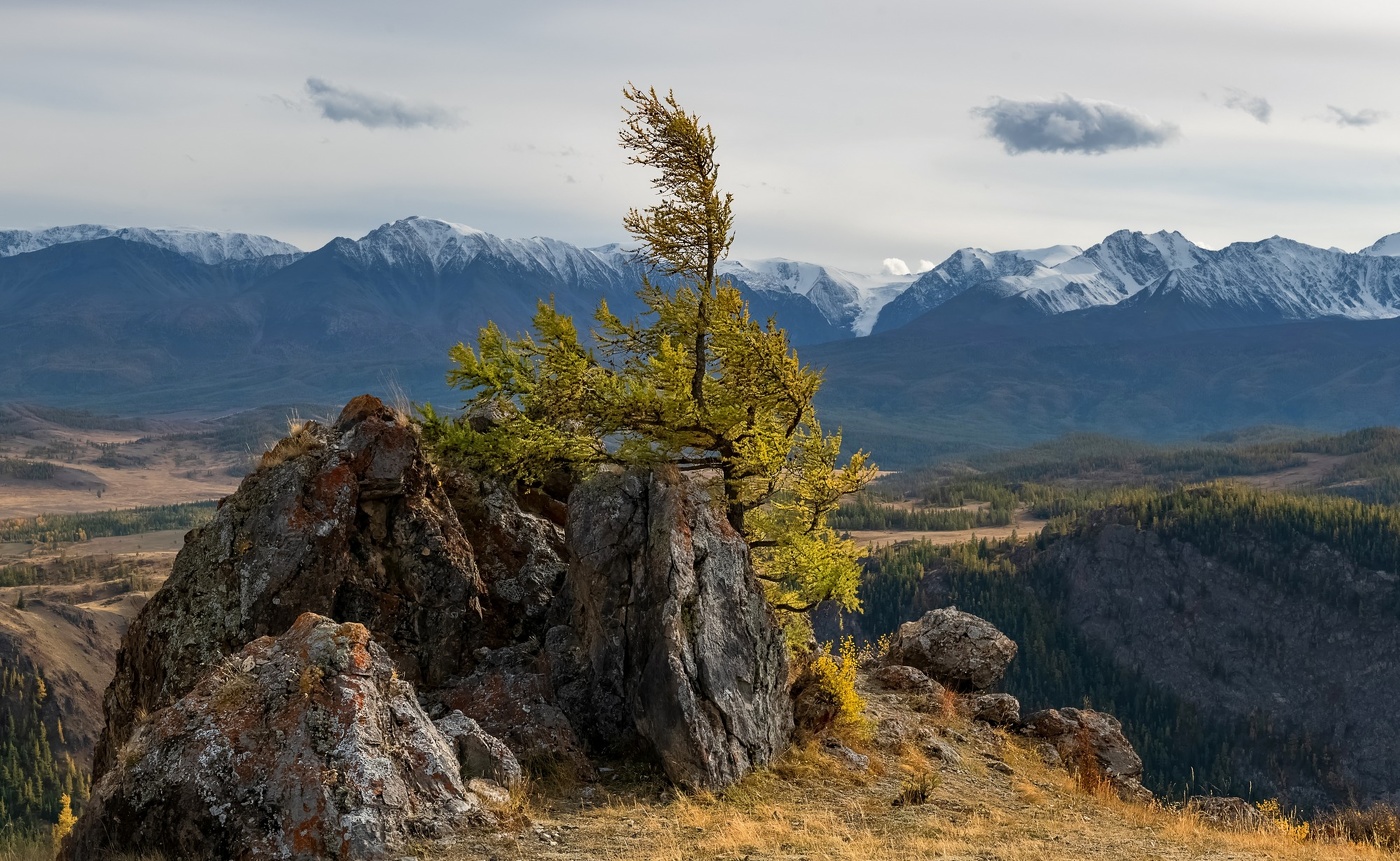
{"type": "Point", "coordinates": [439, 247]}
{"type": "Point", "coordinates": [1386, 246]}
{"type": "Point", "coordinates": [204, 246]}
{"type": "Point", "coordinates": [849, 300]}
{"type": "Point", "coordinates": [1280, 279]}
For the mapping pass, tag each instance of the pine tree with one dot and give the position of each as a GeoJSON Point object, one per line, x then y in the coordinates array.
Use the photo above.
{"type": "Point", "coordinates": [695, 382]}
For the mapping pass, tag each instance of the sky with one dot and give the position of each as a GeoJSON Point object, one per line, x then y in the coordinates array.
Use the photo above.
{"type": "Point", "coordinates": [849, 133]}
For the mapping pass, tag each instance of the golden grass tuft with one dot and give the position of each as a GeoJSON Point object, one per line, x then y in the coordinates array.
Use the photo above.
{"type": "Point", "coordinates": [301, 438]}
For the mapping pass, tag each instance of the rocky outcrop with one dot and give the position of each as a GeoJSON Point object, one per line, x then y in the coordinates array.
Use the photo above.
{"type": "Point", "coordinates": [1091, 744]}
{"type": "Point", "coordinates": [303, 746]}
{"type": "Point", "coordinates": [671, 628]}
{"type": "Point", "coordinates": [347, 521]}
{"type": "Point", "coordinates": [959, 650]}
{"type": "Point", "coordinates": [645, 632]}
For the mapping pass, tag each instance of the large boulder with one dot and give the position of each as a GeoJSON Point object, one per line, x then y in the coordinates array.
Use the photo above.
{"type": "Point", "coordinates": [958, 650]}
{"type": "Point", "coordinates": [680, 648]}
{"type": "Point", "coordinates": [347, 521]}
{"type": "Point", "coordinates": [304, 746]}
{"type": "Point", "coordinates": [1091, 744]}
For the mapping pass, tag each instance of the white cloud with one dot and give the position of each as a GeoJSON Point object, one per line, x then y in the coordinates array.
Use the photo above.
{"type": "Point", "coordinates": [924, 266]}
{"type": "Point", "coordinates": [894, 266]}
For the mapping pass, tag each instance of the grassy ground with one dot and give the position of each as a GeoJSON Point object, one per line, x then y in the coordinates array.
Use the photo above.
{"type": "Point", "coordinates": [999, 802]}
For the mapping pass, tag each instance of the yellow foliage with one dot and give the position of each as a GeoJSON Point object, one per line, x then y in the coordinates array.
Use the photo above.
{"type": "Point", "coordinates": [839, 680]}
{"type": "Point", "coordinates": [65, 819]}
{"type": "Point", "coordinates": [1276, 820]}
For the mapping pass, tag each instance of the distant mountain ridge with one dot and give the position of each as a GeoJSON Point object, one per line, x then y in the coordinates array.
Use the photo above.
{"type": "Point", "coordinates": [204, 246]}
{"type": "Point", "coordinates": [990, 347]}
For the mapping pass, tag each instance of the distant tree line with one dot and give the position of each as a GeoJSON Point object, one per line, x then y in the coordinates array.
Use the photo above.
{"type": "Point", "coordinates": [57, 528]}
{"type": "Point", "coordinates": [27, 470]}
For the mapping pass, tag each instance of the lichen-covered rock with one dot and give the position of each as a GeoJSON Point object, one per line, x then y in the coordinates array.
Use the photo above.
{"type": "Point", "coordinates": [995, 709]}
{"type": "Point", "coordinates": [1091, 743]}
{"type": "Point", "coordinates": [478, 753]}
{"type": "Point", "coordinates": [959, 650]}
{"type": "Point", "coordinates": [347, 521]}
{"type": "Point", "coordinates": [680, 646]}
{"type": "Point", "coordinates": [303, 746]}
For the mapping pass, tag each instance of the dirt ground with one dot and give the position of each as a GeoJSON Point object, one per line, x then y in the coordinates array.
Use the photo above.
{"type": "Point", "coordinates": [1310, 474]}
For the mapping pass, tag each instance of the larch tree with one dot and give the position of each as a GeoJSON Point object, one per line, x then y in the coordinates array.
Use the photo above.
{"type": "Point", "coordinates": [695, 381]}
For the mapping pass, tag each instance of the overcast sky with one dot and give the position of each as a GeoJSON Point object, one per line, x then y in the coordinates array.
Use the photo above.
{"type": "Point", "coordinates": [848, 132]}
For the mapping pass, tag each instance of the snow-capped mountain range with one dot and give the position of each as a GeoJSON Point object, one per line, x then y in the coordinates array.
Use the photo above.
{"type": "Point", "coordinates": [1272, 279]}
{"type": "Point", "coordinates": [204, 246]}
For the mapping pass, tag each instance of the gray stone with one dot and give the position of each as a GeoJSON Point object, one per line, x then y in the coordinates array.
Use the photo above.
{"type": "Point", "coordinates": [675, 636]}
{"type": "Point", "coordinates": [897, 677]}
{"type": "Point", "coordinates": [956, 649]}
{"type": "Point", "coordinates": [479, 753]}
{"type": "Point", "coordinates": [303, 746]}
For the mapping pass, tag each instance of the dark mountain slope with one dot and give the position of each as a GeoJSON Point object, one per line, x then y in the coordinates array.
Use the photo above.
{"type": "Point", "coordinates": [964, 385]}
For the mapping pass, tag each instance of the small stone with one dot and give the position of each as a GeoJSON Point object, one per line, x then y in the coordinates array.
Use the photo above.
{"type": "Point", "coordinates": [489, 791]}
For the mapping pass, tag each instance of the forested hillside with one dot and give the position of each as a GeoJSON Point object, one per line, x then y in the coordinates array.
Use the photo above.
{"type": "Point", "coordinates": [1239, 631]}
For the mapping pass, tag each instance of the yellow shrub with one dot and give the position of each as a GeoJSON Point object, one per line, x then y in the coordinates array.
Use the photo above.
{"type": "Point", "coordinates": [839, 680]}
{"type": "Point", "coordinates": [1276, 820]}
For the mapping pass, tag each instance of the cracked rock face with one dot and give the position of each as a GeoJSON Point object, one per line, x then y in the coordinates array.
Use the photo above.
{"type": "Point", "coordinates": [958, 650]}
{"type": "Point", "coordinates": [672, 628]}
{"type": "Point", "coordinates": [303, 746]}
{"type": "Point", "coordinates": [347, 521]}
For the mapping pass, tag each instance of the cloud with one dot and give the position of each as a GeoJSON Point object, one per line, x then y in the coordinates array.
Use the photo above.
{"type": "Point", "coordinates": [894, 266]}
{"type": "Point", "coordinates": [1359, 119]}
{"type": "Point", "coordinates": [375, 111]}
{"type": "Point", "coordinates": [1256, 106]}
{"type": "Point", "coordinates": [925, 266]}
{"type": "Point", "coordinates": [1071, 125]}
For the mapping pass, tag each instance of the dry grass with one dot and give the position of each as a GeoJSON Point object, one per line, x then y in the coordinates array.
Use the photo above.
{"type": "Point", "coordinates": [1024, 527]}
{"type": "Point", "coordinates": [807, 805]}
{"type": "Point", "coordinates": [300, 439]}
